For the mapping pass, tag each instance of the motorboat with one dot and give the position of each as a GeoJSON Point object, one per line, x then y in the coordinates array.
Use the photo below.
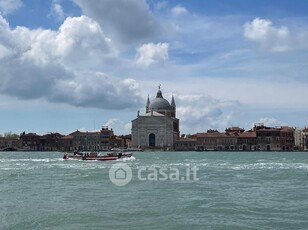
{"type": "Point", "coordinates": [95, 156]}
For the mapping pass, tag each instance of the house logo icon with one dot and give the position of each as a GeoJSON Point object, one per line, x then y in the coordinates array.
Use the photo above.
{"type": "Point", "coordinates": [120, 174]}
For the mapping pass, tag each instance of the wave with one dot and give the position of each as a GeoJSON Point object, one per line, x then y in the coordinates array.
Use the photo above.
{"type": "Point", "coordinates": [132, 158]}
{"type": "Point", "coordinates": [270, 166]}
{"type": "Point", "coordinates": [31, 160]}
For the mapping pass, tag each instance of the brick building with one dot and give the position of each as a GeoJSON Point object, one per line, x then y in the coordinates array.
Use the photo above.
{"type": "Point", "coordinates": [30, 141]}
{"type": "Point", "coordinates": [50, 142]}
{"type": "Point", "coordinates": [275, 138]}
{"type": "Point", "coordinates": [233, 139]}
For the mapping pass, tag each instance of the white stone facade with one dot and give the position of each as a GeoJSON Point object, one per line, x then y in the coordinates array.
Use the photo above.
{"type": "Point", "coordinates": [153, 130]}
{"type": "Point", "coordinates": [158, 127]}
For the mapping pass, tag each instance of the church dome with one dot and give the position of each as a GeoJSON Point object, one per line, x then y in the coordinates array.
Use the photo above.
{"type": "Point", "coordinates": [159, 103]}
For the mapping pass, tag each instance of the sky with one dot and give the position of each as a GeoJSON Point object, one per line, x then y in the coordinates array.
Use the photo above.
{"type": "Point", "coordinates": [69, 65]}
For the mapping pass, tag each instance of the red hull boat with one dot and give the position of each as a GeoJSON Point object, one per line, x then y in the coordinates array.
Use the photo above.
{"type": "Point", "coordinates": [95, 157]}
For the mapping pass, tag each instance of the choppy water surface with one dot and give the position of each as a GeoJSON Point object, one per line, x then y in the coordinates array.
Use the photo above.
{"type": "Point", "coordinates": [235, 190]}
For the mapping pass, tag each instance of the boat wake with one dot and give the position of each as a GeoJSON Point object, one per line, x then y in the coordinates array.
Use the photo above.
{"type": "Point", "coordinates": [132, 158]}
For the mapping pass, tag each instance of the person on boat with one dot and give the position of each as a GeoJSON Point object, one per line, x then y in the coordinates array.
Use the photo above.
{"type": "Point", "coordinates": [120, 155]}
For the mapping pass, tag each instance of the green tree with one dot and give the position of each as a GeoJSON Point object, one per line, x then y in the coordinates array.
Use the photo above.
{"type": "Point", "coordinates": [10, 134]}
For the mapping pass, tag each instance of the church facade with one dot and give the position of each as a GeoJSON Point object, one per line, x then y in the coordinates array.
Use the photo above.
{"type": "Point", "coordinates": [158, 127]}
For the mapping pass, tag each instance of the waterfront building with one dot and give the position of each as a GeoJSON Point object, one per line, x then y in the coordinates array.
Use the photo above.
{"type": "Point", "coordinates": [286, 138]}
{"type": "Point", "coordinates": [117, 142]}
{"type": "Point", "coordinates": [127, 140]}
{"type": "Point", "coordinates": [275, 138]}
{"type": "Point", "coordinates": [95, 141]}
{"type": "Point", "coordinates": [185, 144]}
{"type": "Point", "coordinates": [86, 141]}
{"type": "Point", "coordinates": [67, 143]}
{"type": "Point", "coordinates": [158, 127]}
{"type": "Point", "coordinates": [247, 141]}
{"type": "Point", "coordinates": [298, 139]}
{"type": "Point", "coordinates": [30, 141]}
{"type": "Point", "coordinates": [305, 139]}
{"type": "Point", "coordinates": [212, 141]}
{"type": "Point", "coordinates": [50, 142]}
{"type": "Point", "coordinates": [106, 136]}
{"type": "Point", "coordinates": [233, 139]}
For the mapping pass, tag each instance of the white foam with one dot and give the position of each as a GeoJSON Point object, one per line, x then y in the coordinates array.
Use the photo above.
{"type": "Point", "coordinates": [132, 158]}
{"type": "Point", "coordinates": [31, 160]}
{"type": "Point", "coordinates": [270, 166]}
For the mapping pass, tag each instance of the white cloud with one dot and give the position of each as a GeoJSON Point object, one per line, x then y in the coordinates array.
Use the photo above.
{"type": "Point", "coordinates": [95, 90]}
{"type": "Point", "coordinates": [126, 21]}
{"type": "Point", "coordinates": [112, 122]}
{"type": "Point", "coordinates": [58, 66]}
{"type": "Point", "coordinates": [179, 10]}
{"type": "Point", "coordinates": [160, 5]}
{"type": "Point", "coordinates": [276, 39]}
{"type": "Point", "coordinates": [119, 126]}
{"type": "Point", "coordinates": [9, 6]}
{"type": "Point", "coordinates": [57, 10]}
{"type": "Point", "coordinates": [4, 51]}
{"type": "Point", "coordinates": [79, 40]}
{"type": "Point", "coordinates": [198, 112]}
{"type": "Point", "coordinates": [270, 121]}
{"type": "Point", "coordinates": [152, 53]}
{"type": "Point", "coordinates": [128, 127]}
{"type": "Point", "coordinates": [131, 83]}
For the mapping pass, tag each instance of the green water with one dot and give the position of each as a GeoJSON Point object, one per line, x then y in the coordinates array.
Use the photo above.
{"type": "Point", "coordinates": [235, 190]}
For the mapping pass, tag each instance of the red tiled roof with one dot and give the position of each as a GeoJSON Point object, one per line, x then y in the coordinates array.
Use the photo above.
{"type": "Point", "coordinates": [68, 137]}
{"type": "Point", "coordinates": [213, 135]}
{"type": "Point", "coordinates": [286, 128]}
{"type": "Point", "coordinates": [248, 134]}
{"type": "Point", "coordinates": [186, 140]}
{"type": "Point", "coordinates": [226, 135]}
{"type": "Point", "coordinates": [79, 132]}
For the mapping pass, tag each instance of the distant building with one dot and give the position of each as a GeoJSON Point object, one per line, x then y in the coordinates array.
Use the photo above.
{"type": "Point", "coordinates": [158, 127]}
{"type": "Point", "coordinates": [233, 139]}
{"type": "Point", "coordinates": [275, 138]}
{"type": "Point", "coordinates": [305, 139]}
{"type": "Point", "coordinates": [247, 141]}
{"type": "Point", "coordinates": [106, 136]}
{"type": "Point", "coordinates": [127, 140]}
{"type": "Point", "coordinates": [67, 143]}
{"type": "Point", "coordinates": [86, 141]}
{"type": "Point", "coordinates": [185, 144]}
{"type": "Point", "coordinates": [92, 141]}
{"type": "Point", "coordinates": [298, 139]}
{"type": "Point", "coordinates": [31, 141]}
{"type": "Point", "coordinates": [50, 142]}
